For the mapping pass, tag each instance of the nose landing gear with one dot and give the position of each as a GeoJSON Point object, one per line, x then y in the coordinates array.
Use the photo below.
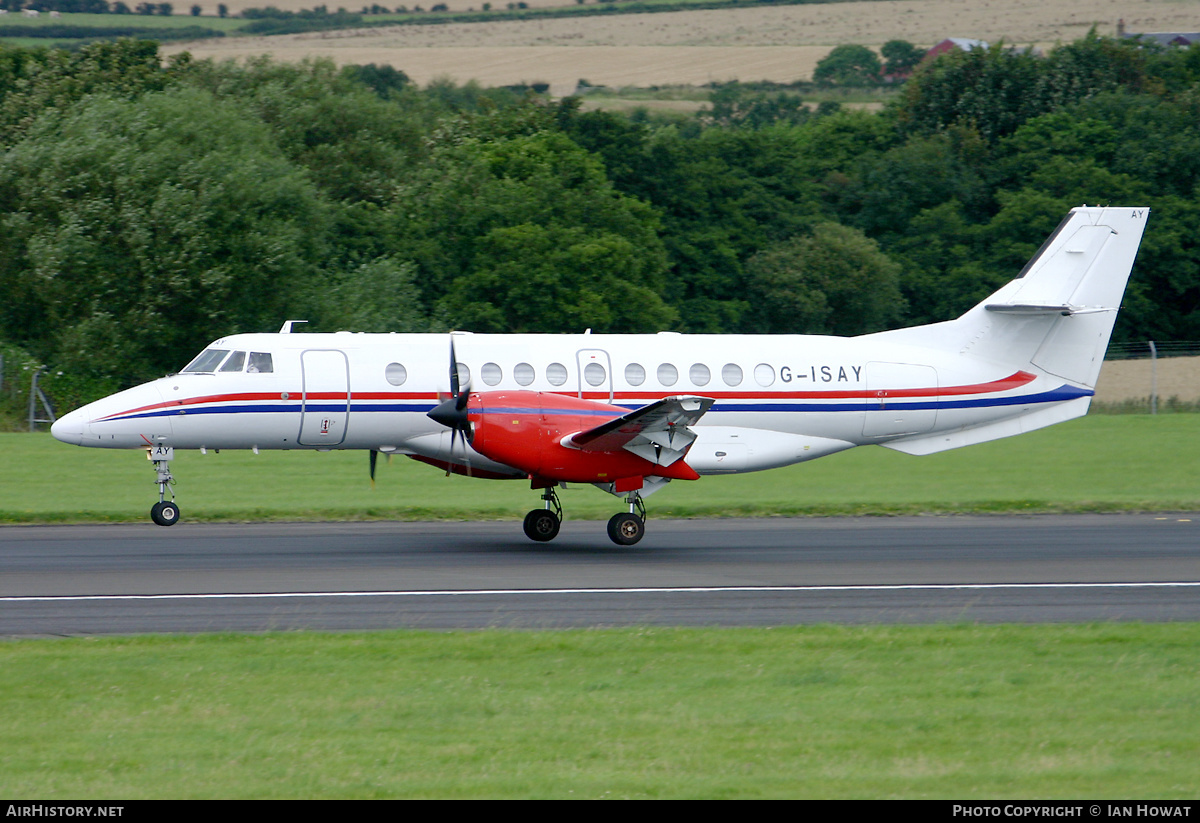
{"type": "Point", "coordinates": [163, 513]}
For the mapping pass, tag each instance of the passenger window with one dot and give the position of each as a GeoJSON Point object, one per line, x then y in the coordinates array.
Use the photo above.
{"type": "Point", "coordinates": [207, 360]}
{"type": "Point", "coordinates": [260, 362]}
{"type": "Point", "coordinates": [556, 373]}
{"type": "Point", "coordinates": [396, 374]}
{"type": "Point", "coordinates": [235, 362]}
{"type": "Point", "coordinates": [491, 373]}
{"type": "Point", "coordinates": [593, 373]}
{"type": "Point", "coordinates": [699, 374]}
{"type": "Point", "coordinates": [764, 375]}
{"type": "Point", "coordinates": [523, 373]}
{"type": "Point", "coordinates": [731, 373]}
{"type": "Point", "coordinates": [635, 374]}
{"type": "Point", "coordinates": [667, 374]}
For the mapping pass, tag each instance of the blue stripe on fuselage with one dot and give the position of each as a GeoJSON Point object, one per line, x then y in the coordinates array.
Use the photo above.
{"type": "Point", "coordinates": [1058, 395]}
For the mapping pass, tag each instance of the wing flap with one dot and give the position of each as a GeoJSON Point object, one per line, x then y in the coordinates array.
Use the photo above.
{"type": "Point", "coordinates": [658, 432]}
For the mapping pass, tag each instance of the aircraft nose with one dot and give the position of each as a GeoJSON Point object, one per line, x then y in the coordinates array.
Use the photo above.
{"type": "Point", "coordinates": [69, 428]}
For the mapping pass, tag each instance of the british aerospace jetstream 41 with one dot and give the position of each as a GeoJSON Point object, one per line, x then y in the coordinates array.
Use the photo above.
{"type": "Point", "coordinates": [630, 413]}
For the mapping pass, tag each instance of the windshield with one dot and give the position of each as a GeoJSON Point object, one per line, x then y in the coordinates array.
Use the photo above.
{"type": "Point", "coordinates": [207, 360]}
{"type": "Point", "coordinates": [235, 361]}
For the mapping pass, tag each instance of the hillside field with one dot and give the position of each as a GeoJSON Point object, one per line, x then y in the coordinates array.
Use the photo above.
{"type": "Point", "coordinates": [776, 43]}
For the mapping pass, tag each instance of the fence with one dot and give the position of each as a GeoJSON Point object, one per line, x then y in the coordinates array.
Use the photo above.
{"type": "Point", "coordinates": [1150, 350]}
{"type": "Point", "coordinates": [23, 403]}
{"type": "Point", "coordinates": [1150, 377]}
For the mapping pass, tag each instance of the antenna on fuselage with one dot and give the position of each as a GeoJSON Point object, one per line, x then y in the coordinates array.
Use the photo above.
{"type": "Point", "coordinates": [286, 328]}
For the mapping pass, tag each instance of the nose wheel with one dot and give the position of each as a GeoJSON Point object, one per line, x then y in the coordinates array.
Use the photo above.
{"type": "Point", "coordinates": [164, 512]}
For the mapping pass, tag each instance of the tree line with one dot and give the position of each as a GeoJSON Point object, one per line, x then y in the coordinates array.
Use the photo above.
{"type": "Point", "coordinates": [149, 206]}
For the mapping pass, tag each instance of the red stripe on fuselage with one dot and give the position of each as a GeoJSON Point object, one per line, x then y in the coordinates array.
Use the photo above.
{"type": "Point", "coordinates": [276, 396]}
{"type": "Point", "coordinates": [1013, 381]}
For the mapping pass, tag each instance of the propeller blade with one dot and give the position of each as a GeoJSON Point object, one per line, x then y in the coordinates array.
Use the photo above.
{"type": "Point", "coordinates": [374, 458]}
{"type": "Point", "coordinates": [452, 411]}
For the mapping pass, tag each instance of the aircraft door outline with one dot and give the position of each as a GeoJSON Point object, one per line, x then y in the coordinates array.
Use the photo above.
{"type": "Point", "coordinates": [324, 398]}
{"type": "Point", "coordinates": [892, 409]}
{"type": "Point", "coordinates": [586, 357]}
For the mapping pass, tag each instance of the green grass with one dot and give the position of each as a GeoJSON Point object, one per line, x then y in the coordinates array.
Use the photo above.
{"type": "Point", "coordinates": [972, 712]}
{"type": "Point", "coordinates": [177, 21]}
{"type": "Point", "coordinates": [965, 712]}
{"type": "Point", "coordinates": [1096, 463]}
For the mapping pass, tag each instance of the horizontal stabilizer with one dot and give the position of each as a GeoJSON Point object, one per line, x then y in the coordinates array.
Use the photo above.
{"type": "Point", "coordinates": [1029, 308]}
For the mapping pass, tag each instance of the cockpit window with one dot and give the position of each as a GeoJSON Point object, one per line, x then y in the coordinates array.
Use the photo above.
{"type": "Point", "coordinates": [235, 362]}
{"type": "Point", "coordinates": [260, 362]}
{"type": "Point", "coordinates": [207, 360]}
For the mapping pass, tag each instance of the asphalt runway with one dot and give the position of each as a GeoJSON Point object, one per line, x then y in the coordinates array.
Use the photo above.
{"type": "Point", "coordinates": [80, 580]}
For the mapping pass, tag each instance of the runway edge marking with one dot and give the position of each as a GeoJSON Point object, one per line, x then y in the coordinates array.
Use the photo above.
{"type": "Point", "coordinates": [616, 590]}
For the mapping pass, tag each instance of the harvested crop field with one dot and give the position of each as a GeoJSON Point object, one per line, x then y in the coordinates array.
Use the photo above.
{"type": "Point", "coordinates": [778, 43]}
{"type": "Point", "coordinates": [1124, 380]}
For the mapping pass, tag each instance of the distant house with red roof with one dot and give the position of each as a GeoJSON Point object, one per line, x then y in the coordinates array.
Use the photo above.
{"type": "Point", "coordinates": [955, 43]}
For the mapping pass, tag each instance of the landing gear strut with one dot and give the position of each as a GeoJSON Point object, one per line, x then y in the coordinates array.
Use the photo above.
{"type": "Point", "coordinates": [543, 524]}
{"type": "Point", "coordinates": [627, 528]}
{"type": "Point", "coordinates": [163, 513]}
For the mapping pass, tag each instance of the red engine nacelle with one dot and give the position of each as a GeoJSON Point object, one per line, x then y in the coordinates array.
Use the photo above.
{"type": "Point", "coordinates": [525, 430]}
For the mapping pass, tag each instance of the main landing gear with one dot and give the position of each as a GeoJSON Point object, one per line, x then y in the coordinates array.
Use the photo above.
{"type": "Point", "coordinates": [163, 513]}
{"type": "Point", "coordinates": [543, 524]}
{"type": "Point", "coordinates": [624, 529]}
{"type": "Point", "coordinates": [627, 528]}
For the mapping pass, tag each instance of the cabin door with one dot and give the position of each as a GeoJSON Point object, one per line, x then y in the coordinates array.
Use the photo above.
{"type": "Point", "coordinates": [325, 400]}
{"type": "Point", "coordinates": [595, 374]}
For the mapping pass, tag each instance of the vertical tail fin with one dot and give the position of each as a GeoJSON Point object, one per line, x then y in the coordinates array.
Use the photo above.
{"type": "Point", "coordinates": [1056, 317]}
{"type": "Point", "coordinates": [1058, 313]}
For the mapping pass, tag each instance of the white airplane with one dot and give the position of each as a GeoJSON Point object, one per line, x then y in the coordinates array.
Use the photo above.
{"type": "Point", "coordinates": [630, 413]}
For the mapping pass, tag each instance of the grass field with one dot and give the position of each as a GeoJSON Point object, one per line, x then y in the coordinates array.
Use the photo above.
{"type": "Point", "coordinates": [1096, 463]}
{"type": "Point", "coordinates": [964, 712]}
{"type": "Point", "coordinates": [951, 711]}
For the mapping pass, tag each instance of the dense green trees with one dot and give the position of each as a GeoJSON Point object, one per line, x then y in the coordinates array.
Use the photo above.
{"type": "Point", "coordinates": [849, 65]}
{"type": "Point", "coordinates": [148, 207]}
{"type": "Point", "coordinates": [526, 233]}
{"type": "Point", "coordinates": [834, 280]}
{"type": "Point", "coordinates": [900, 57]}
{"type": "Point", "coordinates": [131, 227]}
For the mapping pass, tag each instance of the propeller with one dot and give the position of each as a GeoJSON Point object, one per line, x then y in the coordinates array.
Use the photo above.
{"type": "Point", "coordinates": [452, 413]}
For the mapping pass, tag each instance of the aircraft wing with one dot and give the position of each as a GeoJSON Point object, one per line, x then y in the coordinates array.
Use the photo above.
{"type": "Point", "coordinates": [658, 432]}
